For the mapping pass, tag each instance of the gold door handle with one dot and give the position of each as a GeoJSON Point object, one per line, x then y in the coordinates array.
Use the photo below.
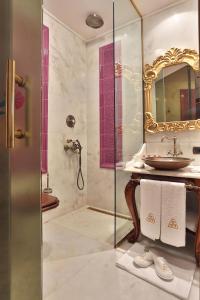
{"type": "Point", "coordinates": [11, 79]}
{"type": "Point", "coordinates": [20, 81]}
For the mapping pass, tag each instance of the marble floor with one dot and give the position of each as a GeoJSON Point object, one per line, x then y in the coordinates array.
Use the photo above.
{"type": "Point", "coordinates": [79, 261]}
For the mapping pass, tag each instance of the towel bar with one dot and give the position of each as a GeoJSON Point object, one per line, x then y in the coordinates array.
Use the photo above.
{"type": "Point", "coordinates": [189, 186]}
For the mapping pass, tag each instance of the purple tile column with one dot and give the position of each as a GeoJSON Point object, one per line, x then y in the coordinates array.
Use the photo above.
{"type": "Point", "coordinates": [44, 104]}
{"type": "Point", "coordinates": [107, 106]}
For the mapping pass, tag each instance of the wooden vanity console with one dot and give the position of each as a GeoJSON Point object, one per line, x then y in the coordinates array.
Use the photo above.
{"type": "Point", "coordinates": [191, 180]}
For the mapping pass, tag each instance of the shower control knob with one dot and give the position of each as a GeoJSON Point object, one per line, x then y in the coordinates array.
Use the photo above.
{"type": "Point", "coordinates": [70, 121]}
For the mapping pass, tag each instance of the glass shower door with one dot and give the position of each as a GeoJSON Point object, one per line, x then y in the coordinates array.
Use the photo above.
{"type": "Point", "coordinates": [20, 226]}
{"type": "Point", "coordinates": [128, 104]}
{"type": "Point", "coordinates": [5, 49]}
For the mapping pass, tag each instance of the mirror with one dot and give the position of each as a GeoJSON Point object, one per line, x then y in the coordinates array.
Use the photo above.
{"type": "Point", "coordinates": [171, 91]}
{"type": "Point", "coordinates": [174, 94]}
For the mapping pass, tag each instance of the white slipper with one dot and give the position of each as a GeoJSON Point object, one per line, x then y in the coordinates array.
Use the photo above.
{"type": "Point", "coordinates": [162, 268]}
{"type": "Point", "coordinates": [144, 260]}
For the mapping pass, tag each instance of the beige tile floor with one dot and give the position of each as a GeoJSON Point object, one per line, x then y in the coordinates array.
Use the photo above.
{"type": "Point", "coordinates": [79, 261]}
{"type": "Point", "coordinates": [95, 225]}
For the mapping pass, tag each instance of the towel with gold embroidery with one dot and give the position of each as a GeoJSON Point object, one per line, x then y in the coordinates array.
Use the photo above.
{"type": "Point", "coordinates": [150, 195]}
{"type": "Point", "coordinates": [173, 213]}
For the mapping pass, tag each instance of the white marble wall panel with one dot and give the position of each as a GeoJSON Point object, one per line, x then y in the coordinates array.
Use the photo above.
{"type": "Point", "coordinates": [67, 95]}
{"type": "Point", "coordinates": [74, 89]}
{"type": "Point", "coordinates": [176, 26]}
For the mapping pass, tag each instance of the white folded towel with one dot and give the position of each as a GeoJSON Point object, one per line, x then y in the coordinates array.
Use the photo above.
{"type": "Point", "coordinates": [150, 195]}
{"type": "Point", "coordinates": [173, 213]}
{"type": "Point", "coordinates": [141, 152]}
{"type": "Point", "coordinates": [137, 161]}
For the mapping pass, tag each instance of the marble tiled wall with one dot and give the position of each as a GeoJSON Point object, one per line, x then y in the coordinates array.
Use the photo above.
{"type": "Point", "coordinates": [74, 89]}
{"type": "Point", "coordinates": [67, 95]}
{"type": "Point", "coordinates": [176, 26]}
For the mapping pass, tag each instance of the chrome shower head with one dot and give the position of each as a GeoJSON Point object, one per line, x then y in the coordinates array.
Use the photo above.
{"type": "Point", "coordinates": [95, 21]}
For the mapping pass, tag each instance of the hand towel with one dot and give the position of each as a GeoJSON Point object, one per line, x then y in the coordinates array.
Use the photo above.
{"type": "Point", "coordinates": [173, 213]}
{"type": "Point", "coordinates": [150, 195]}
{"type": "Point", "coordinates": [141, 152]}
{"type": "Point", "coordinates": [137, 161]}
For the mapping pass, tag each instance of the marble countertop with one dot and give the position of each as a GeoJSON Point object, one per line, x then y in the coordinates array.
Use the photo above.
{"type": "Point", "coordinates": [188, 172]}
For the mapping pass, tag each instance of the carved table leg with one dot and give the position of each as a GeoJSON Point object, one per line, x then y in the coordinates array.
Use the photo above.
{"type": "Point", "coordinates": [130, 200]}
{"type": "Point", "coordinates": [197, 237]}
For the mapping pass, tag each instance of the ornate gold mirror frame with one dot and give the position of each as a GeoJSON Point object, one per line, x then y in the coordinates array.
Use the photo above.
{"type": "Point", "coordinates": [172, 57]}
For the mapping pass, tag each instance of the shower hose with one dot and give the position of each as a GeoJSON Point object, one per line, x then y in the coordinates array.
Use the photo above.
{"type": "Point", "coordinates": [80, 179]}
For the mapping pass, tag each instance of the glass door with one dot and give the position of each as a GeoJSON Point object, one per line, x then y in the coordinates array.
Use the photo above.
{"type": "Point", "coordinates": [128, 104]}
{"type": "Point", "coordinates": [20, 230]}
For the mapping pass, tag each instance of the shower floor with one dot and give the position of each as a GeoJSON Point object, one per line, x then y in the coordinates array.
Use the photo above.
{"type": "Point", "coordinates": [71, 240]}
{"type": "Point", "coordinates": [79, 260]}
{"type": "Point", "coordinates": [89, 223]}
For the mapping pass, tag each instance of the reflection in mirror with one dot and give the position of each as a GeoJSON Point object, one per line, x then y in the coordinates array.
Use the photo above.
{"type": "Point", "coordinates": [173, 94]}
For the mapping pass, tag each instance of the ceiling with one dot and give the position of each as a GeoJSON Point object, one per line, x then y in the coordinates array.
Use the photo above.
{"type": "Point", "coordinates": [147, 7]}
{"type": "Point", "coordinates": [73, 13]}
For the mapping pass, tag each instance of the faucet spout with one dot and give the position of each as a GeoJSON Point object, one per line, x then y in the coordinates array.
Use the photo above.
{"type": "Point", "coordinates": [174, 153]}
{"type": "Point", "coordinates": [164, 138]}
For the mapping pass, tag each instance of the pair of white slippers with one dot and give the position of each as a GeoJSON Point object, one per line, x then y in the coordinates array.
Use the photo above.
{"type": "Point", "coordinates": [161, 267]}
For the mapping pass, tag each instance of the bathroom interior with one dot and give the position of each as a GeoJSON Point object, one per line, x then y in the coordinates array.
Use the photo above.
{"type": "Point", "coordinates": [119, 83]}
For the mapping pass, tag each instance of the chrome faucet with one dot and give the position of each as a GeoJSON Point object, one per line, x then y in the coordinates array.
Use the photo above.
{"type": "Point", "coordinates": [175, 152]}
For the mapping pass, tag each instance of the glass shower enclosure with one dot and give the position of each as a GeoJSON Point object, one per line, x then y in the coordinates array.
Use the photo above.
{"type": "Point", "coordinates": [128, 104]}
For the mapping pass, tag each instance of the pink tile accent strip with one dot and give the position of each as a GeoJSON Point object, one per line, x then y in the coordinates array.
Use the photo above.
{"type": "Point", "coordinates": [44, 104]}
{"type": "Point", "coordinates": [110, 107]}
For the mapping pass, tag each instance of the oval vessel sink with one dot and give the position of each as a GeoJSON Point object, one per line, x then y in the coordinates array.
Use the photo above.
{"type": "Point", "coordinates": [167, 163]}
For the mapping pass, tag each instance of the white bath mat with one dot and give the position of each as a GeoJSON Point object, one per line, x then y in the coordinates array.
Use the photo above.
{"type": "Point", "coordinates": [182, 265]}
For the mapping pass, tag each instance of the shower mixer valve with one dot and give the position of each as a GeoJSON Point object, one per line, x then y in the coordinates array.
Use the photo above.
{"type": "Point", "coordinates": [73, 145]}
